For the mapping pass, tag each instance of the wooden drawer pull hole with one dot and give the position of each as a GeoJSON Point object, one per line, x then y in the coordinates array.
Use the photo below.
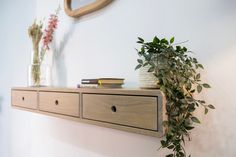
{"type": "Point", "coordinates": [113, 108]}
{"type": "Point", "coordinates": [56, 102]}
{"type": "Point", "coordinates": [23, 98]}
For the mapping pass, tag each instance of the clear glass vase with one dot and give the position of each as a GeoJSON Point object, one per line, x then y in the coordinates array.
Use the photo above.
{"type": "Point", "coordinates": [39, 75]}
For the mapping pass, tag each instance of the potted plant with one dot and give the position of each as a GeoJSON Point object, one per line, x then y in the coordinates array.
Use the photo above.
{"type": "Point", "coordinates": [178, 77]}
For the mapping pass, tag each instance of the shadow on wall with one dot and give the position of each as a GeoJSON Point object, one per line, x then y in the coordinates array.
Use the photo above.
{"type": "Point", "coordinates": [101, 141]}
{"type": "Point", "coordinates": [228, 5]}
{"type": "Point", "coordinates": [59, 57]}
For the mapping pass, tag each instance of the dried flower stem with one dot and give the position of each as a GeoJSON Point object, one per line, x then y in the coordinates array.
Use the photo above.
{"type": "Point", "coordinates": [35, 33]}
{"type": "Point", "coordinates": [49, 31]}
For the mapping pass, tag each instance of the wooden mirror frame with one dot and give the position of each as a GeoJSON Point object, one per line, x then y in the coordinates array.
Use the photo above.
{"type": "Point", "coordinates": [98, 4]}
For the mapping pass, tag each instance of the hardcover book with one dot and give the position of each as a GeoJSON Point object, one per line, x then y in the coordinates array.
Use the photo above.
{"type": "Point", "coordinates": [102, 81]}
{"type": "Point", "coordinates": [99, 86]}
{"type": "Point", "coordinates": [89, 81]}
{"type": "Point", "coordinates": [111, 81]}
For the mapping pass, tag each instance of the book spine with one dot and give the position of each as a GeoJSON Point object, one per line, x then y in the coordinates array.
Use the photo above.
{"type": "Point", "coordinates": [89, 81]}
{"type": "Point", "coordinates": [110, 82]}
{"type": "Point", "coordinates": [87, 86]}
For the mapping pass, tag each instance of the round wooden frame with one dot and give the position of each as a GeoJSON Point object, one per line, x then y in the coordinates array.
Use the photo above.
{"type": "Point", "coordinates": [98, 4]}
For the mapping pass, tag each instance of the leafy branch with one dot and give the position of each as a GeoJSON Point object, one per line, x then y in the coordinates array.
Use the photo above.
{"type": "Point", "coordinates": [178, 77]}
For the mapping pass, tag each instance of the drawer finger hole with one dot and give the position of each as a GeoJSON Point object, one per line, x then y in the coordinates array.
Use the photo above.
{"type": "Point", "coordinates": [56, 102]}
{"type": "Point", "coordinates": [113, 108]}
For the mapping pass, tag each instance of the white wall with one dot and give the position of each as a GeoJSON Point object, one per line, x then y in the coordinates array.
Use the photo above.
{"type": "Point", "coordinates": [15, 17]}
{"type": "Point", "coordinates": [102, 45]}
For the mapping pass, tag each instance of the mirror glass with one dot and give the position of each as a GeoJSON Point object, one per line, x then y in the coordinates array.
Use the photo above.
{"type": "Point", "coordinates": [76, 4]}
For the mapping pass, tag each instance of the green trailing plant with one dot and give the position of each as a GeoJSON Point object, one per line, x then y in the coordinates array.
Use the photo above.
{"type": "Point", "coordinates": [179, 79]}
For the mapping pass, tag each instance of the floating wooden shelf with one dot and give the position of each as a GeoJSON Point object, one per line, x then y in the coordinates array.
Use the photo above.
{"type": "Point", "coordinates": [134, 110]}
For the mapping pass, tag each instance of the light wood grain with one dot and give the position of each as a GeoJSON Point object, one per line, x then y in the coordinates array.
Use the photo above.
{"type": "Point", "coordinates": [27, 99]}
{"type": "Point", "coordinates": [98, 4]}
{"type": "Point", "coordinates": [135, 111]}
{"type": "Point", "coordinates": [128, 91]}
{"type": "Point", "coordinates": [101, 124]}
{"type": "Point", "coordinates": [62, 103]}
{"type": "Point", "coordinates": [127, 121]}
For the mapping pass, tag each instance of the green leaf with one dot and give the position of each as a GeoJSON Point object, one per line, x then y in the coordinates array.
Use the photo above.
{"type": "Point", "coordinates": [171, 147]}
{"type": "Point", "coordinates": [201, 101]}
{"type": "Point", "coordinates": [164, 41]}
{"type": "Point", "coordinates": [195, 119]}
{"type": "Point", "coordinates": [189, 127]}
{"type": "Point", "coordinates": [163, 143]}
{"type": "Point", "coordinates": [163, 81]}
{"type": "Point", "coordinates": [199, 88]}
{"type": "Point", "coordinates": [151, 69]}
{"type": "Point", "coordinates": [172, 40]}
{"type": "Point", "coordinates": [170, 155]}
{"type": "Point", "coordinates": [185, 49]}
{"type": "Point", "coordinates": [140, 61]}
{"type": "Point", "coordinates": [198, 76]}
{"type": "Point", "coordinates": [201, 66]}
{"type": "Point", "coordinates": [178, 48]}
{"type": "Point", "coordinates": [138, 66]}
{"type": "Point", "coordinates": [142, 50]}
{"type": "Point", "coordinates": [145, 64]}
{"type": "Point", "coordinates": [188, 86]}
{"type": "Point", "coordinates": [155, 40]}
{"type": "Point", "coordinates": [140, 40]}
{"type": "Point", "coordinates": [206, 110]}
{"type": "Point", "coordinates": [211, 106]}
{"type": "Point", "coordinates": [181, 154]}
{"type": "Point", "coordinates": [163, 89]}
{"type": "Point", "coordinates": [206, 85]}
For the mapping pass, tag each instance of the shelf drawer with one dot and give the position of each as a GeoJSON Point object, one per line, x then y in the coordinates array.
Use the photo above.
{"type": "Point", "coordinates": [26, 99]}
{"type": "Point", "coordinates": [62, 103]}
{"type": "Point", "coordinates": [134, 111]}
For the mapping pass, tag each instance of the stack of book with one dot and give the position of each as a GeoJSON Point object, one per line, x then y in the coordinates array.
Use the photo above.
{"type": "Point", "coordinates": [102, 83]}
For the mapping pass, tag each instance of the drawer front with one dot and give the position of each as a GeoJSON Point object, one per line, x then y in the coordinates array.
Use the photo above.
{"type": "Point", "coordinates": [135, 111]}
{"type": "Point", "coordinates": [62, 103]}
{"type": "Point", "coordinates": [27, 99]}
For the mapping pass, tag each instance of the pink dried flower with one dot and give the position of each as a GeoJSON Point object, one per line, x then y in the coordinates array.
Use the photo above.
{"type": "Point", "coordinates": [48, 36]}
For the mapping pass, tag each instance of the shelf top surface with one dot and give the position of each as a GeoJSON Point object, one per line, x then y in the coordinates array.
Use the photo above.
{"type": "Point", "coordinates": [132, 91]}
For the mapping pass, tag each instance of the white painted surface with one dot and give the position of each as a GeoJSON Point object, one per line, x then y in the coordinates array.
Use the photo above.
{"type": "Point", "coordinates": [102, 45]}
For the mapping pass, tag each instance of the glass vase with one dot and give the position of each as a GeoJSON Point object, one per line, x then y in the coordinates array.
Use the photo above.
{"type": "Point", "coordinates": [39, 75]}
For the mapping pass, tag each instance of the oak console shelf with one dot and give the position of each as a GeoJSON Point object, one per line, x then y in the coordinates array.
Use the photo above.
{"type": "Point", "coordinates": [134, 110]}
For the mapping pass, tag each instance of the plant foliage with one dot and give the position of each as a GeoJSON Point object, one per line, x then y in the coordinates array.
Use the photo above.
{"type": "Point", "coordinates": [179, 79]}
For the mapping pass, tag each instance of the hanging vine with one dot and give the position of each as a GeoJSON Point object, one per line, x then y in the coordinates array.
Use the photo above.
{"type": "Point", "coordinates": [179, 79]}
